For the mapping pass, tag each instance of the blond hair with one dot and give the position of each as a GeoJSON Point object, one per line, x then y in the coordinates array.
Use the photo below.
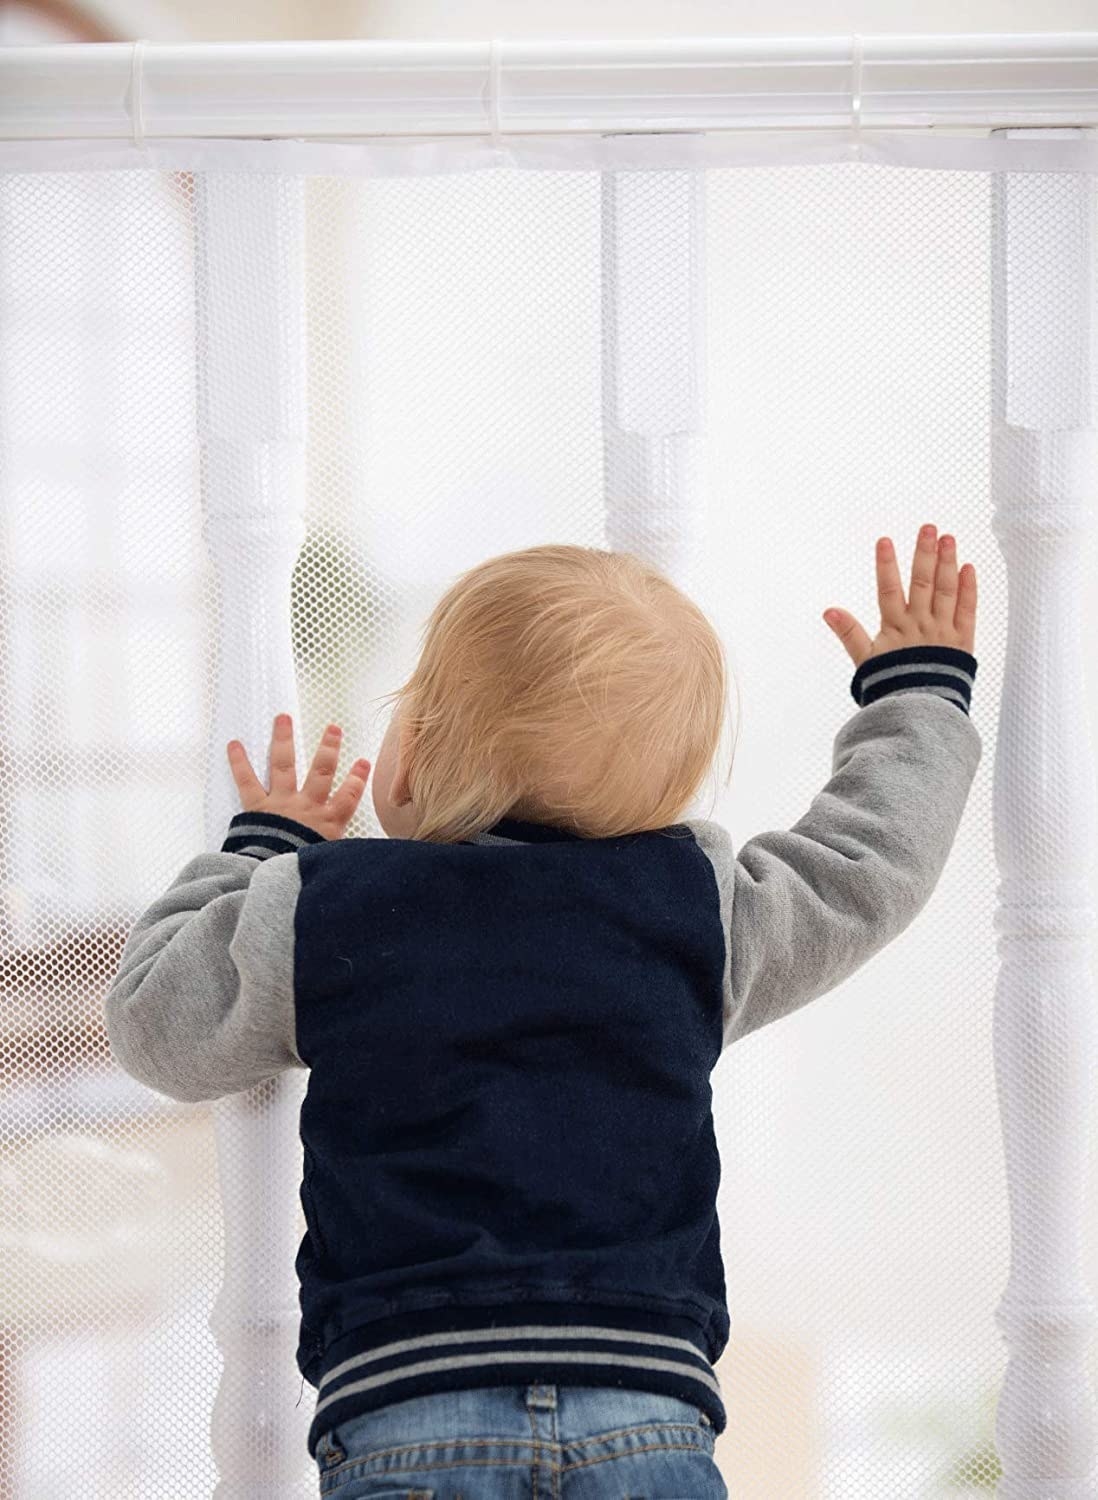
{"type": "Point", "coordinates": [564, 685]}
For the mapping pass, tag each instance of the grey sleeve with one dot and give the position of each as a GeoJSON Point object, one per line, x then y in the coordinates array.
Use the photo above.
{"type": "Point", "coordinates": [803, 908]}
{"type": "Point", "coordinates": [202, 1004]}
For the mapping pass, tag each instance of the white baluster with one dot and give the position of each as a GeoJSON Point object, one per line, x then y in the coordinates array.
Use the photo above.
{"type": "Point", "coordinates": [250, 283]}
{"type": "Point", "coordinates": [1045, 470]}
{"type": "Point", "coordinates": [653, 341]}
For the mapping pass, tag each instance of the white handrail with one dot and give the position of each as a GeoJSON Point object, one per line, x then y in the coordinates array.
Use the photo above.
{"type": "Point", "coordinates": [354, 89]}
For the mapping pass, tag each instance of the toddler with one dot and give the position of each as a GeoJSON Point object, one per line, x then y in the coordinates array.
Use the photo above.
{"type": "Point", "coordinates": [511, 1280]}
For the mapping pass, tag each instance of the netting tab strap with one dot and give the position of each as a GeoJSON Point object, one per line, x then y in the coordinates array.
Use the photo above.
{"type": "Point", "coordinates": [137, 99]}
{"type": "Point", "coordinates": [495, 62]}
{"type": "Point", "coordinates": [856, 83]}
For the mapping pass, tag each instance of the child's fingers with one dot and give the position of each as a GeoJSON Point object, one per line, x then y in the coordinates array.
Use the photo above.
{"type": "Point", "coordinates": [924, 565]}
{"type": "Point", "coordinates": [283, 767]}
{"type": "Point", "coordinates": [945, 581]}
{"type": "Point", "coordinates": [851, 634]}
{"type": "Point", "coordinates": [345, 801]}
{"type": "Point", "coordinates": [965, 617]}
{"type": "Point", "coordinates": [245, 778]}
{"type": "Point", "coordinates": [890, 591]}
{"type": "Point", "coordinates": [318, 782]}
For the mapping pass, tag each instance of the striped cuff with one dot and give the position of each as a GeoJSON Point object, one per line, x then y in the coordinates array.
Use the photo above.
{"type": "Point", "coordinates": [944, 670]}
{"type": "Point", "coordinates": [262, 834]}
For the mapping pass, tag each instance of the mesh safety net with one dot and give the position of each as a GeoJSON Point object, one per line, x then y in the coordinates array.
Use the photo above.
{"type": "Point", "coordinates": [254, 418]}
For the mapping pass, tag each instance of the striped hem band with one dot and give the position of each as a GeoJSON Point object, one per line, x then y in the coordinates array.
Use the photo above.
{"type": "Point", "coordinates": [363, 1371]}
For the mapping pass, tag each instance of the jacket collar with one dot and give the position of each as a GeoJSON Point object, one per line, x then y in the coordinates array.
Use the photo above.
{"type": "Point", "coordinates": [518, 831]}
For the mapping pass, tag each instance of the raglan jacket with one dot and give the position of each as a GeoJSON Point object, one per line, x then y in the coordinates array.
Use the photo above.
{"type": "Point", "coordinates": [510, 1169]}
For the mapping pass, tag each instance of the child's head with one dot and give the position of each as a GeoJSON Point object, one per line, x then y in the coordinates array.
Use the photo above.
{"type": "Point", "coordinates": [560, 684]}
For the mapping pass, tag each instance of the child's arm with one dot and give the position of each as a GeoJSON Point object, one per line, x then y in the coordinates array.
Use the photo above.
{"type": "Point", "coordinates": [203, 1001]}
{"type": "Point", "coordinates": [202, 1004]}
{"type": "Point", "coordinates": [803, 908]}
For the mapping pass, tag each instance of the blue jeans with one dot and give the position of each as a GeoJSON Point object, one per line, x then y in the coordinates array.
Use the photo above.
{"type": "Point", "coordinates": [524, 1442]}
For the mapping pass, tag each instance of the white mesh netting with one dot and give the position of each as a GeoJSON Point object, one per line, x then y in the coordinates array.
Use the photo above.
{"type": "Point", "coordinates": [419, 362]}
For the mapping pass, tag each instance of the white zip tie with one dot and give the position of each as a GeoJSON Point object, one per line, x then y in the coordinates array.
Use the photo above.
{"type": "Point", "coordinates": [856, 84]}
{"type": "Point", "coordinates": [137, 101]}
{"type": "Point", "coordinates": [495, 61]}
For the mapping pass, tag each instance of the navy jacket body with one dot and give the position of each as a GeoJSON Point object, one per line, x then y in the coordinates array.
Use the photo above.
{"type": "Point", "coordinates": [491, 1144]}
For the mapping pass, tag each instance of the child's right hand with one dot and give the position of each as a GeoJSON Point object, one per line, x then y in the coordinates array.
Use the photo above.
{"type": "Point", "coordinates": [942, 611]}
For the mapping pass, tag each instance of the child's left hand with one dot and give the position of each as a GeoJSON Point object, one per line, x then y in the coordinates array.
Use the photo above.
{"type": "Point", "coordinates": [311, 805]}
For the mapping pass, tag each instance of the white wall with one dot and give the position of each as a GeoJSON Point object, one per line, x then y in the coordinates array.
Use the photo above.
{"type": "Point", "coordinates": [627, 18]}
{"type": "Point", "coordinates": [213, 20]}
